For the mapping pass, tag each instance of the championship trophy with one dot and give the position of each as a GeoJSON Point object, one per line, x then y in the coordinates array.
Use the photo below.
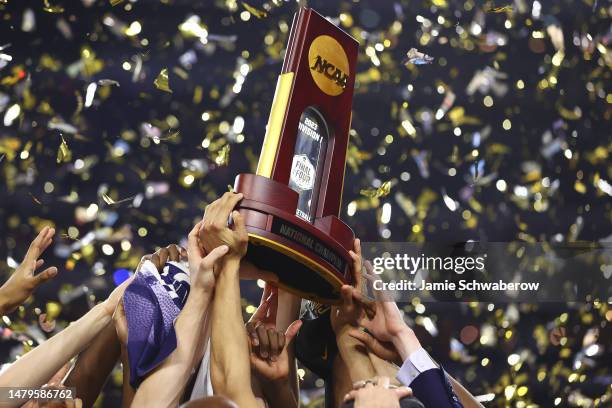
{"type": "Point", "coordinates": [291, 205]}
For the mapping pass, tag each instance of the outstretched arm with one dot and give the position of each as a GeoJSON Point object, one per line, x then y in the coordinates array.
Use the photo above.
{"type": "Point", "coordinates": [94, 365]}
{"type": "Point", "coordinates": [270, 352]}
{"type": "Point", "coordinates": [165, 385]}
{"type": "Point", "coordinates": [36, 367]}
{"type": "Point", "coordinates": [230, 368]}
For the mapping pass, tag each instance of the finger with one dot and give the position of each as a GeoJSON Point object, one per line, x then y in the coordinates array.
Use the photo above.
{"type": "Point", "coordinates": [48, 237]}
{"type": "Point", "coordinates": [383, 381]}
{"type": "Point", "coordinates": [231, 200]}
{"type": "Point", "coordinates": [292, 331]}
{"type": "Point", "coordinates": [239, 225]}
{"type": "Point", "coordinates": [281, 341]}
{"type": "Point", "coordinates": [368, 306]}
{"type": "Point", "coordinates": [359, 384]}
{"type": "Point", "coordinates": [346, 292]}
{"type": "Point", "coordinates": [193, 247]}
{"type": "Point", "coordinates": [266, 292]}
{"type": "Point", "coordinates": [45, 275]}
{"type": "Point", "coordinates": [261, 312]}
{"type": "Point", "coordinates": [273, 307]}
{"type": "Point", "coordinates": [264, 343]}
{"type": "Point", "coordinates": [39, 263]}
{"type": "Point", "coordinates": [182, 253]}
{"type": "Point", "coordinates": [156, 261]}
{"type": "Point", "coordinates": [34, 248]}
{"type": "Point", "coordinates": [403, 392]}
{"type": "Point", "coordinates": [173, 253]}
{"type": "Point", "coordinates": [214, 255]}
{"type": "Point", "coordinates": [225, 206]}
{"type": "Point", "coordinates": [356, 256]}
{"type": "Point", "coordinates": [350, 395]}
{"type": "Point", "coordinates": [274, 349]}
{"type": "Point", "coordinates": [250, 328]}
{"type": "Point", "coordinates": [163, 258]}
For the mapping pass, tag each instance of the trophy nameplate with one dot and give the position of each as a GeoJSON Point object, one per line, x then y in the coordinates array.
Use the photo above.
{"type": "Point", "coordinates": [291, 205]}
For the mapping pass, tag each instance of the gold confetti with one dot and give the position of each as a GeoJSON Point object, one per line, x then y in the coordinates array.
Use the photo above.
{"type": "Point", "coordinates": [222, 158]}
{"type": "Point", "coordinates": [63, 152]}
{"type": "Point", "coordinates": [161, 82]}
{"type": "Point", "coordinates": [382, 191]}
{"type": "Point", "coordinates": [52, 9]}
{"type": "Point", "coordinates": [500, 9]}
{"type": "Point", "coordinates": [116, 2]}
{"type": "Point", "coordinates": [257, 13]}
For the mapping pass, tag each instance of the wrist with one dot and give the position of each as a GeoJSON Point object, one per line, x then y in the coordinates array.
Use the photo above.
{"type": "Point", "coordinates": [406, 343]}
{"type": "Point", "coordinates": [199, 297]}
{"type": "Point", "coordinates": [231, 263]}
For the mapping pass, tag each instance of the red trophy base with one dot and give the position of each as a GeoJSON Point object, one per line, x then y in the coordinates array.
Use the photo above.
{"type": "Point", "coordinates": [292, 248]}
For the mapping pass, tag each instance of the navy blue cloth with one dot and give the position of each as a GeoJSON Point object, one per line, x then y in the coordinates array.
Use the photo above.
{"type": "Point", "coordinates": [152, 303]}
{"type": "Point", "coordinates": [434, 390]}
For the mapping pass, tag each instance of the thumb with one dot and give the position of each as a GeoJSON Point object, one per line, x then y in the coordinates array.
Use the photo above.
{"type": "Point", "coordinates": [193, 249]}
{"type": "Point", "coordinates": [214, 255]}
{"type": "Point", "coordinates": [292, 331]}
{"type": "Point", "coordinates": [45, 275]}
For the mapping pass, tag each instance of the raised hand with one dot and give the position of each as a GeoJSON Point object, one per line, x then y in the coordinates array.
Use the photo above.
{"type": "Point", "coordinates": [382, 349]}
{"type": "Point", "coordinates": [22, 283]}
{"type": "Point", "coordinates": [201, 266]}
{"type": "Point", "coordinates": [172, 253]}
{"type": "Point", "coordinates": [269, 358]}
{"type": "Point", "coordinates": [388, 322]}
{"type": "Point", "coordinates": [216, 229]}
{"type": "Point", "coordinates": [354, 304]}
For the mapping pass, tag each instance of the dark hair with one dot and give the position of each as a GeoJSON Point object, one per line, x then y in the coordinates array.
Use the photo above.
{"type": "Point", "coordinates": [406, 402]}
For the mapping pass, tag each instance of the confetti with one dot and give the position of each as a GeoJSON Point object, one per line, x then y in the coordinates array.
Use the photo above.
{"type": "Point", "coordinates": [161, 82]}
{"type": "Point", "coordinates": [52, 9]}
{"type": "Point", "coordinates": [107, 82]}
{"type": "Point", "coordinates": [222, 158]}
{"type": "Point", "coordinates": [503, 9]}
{"type": "Point", "coordinates": [382, 191]}
{"type": "Point", "coordinates": [256, 12]}
{"type": "Point", "coordinates": [63, 152]}
{"type": "Point", "coordinates": [415, 57]}
{"type": "Point", "coordinates": [503, 136]}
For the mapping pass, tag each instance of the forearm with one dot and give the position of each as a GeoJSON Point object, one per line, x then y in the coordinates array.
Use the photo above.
{"type": "Point", "coordinates": [128, 391]}
{"type": "Point", "coordinates": [6, 305]}
{"type": "Point", "coordinates": [406, 343]}
{"type": "Point", "coordinates": [36, 367]}
{"type": "Point", "coordinates": [384, 368]}
{"type": "Point", "coordinates": [230, 363]}
{"type": "Point", "coordinates": [279, 394]}
{"type": "Point", "coordinates": [288, 312]}
{"type": "Point", "coordinates": [94, 365]}
{"type": "Point", "coordinates": [354, 354]}
{"type": "Point", "coordinates": [165, 385]}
